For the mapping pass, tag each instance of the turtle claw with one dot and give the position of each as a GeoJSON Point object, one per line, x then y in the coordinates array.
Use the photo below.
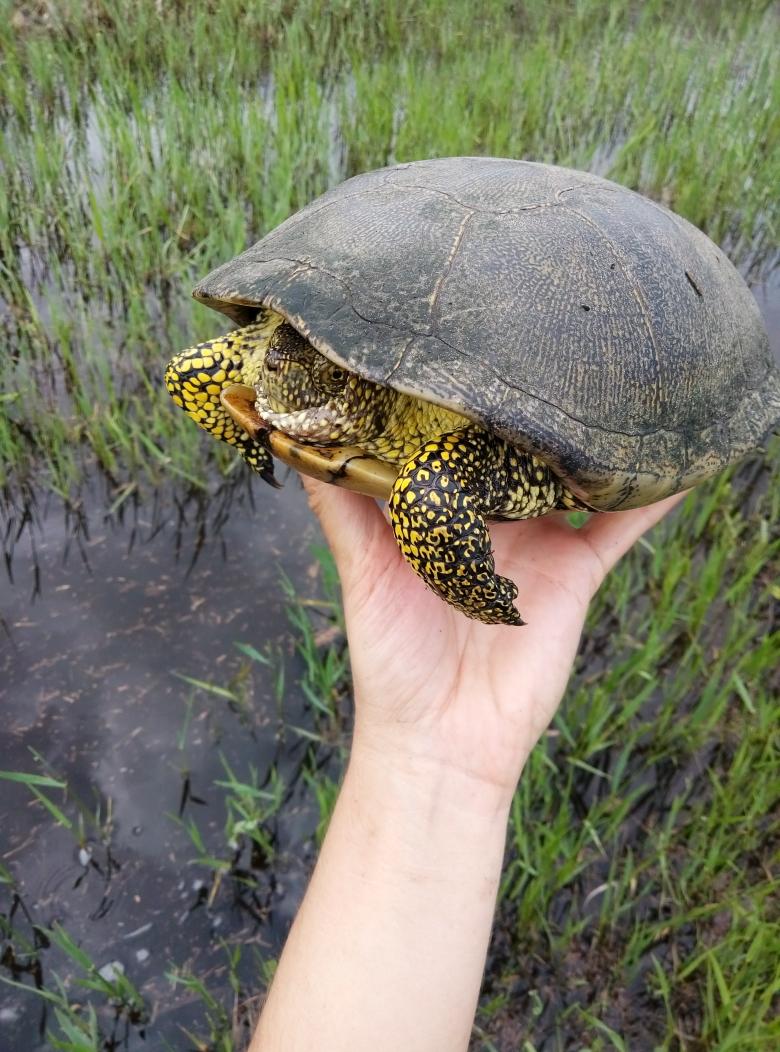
{"type": "Point", "coordinates": [270, 478]}
{"type": "Point", "coordinates": [257, 455]}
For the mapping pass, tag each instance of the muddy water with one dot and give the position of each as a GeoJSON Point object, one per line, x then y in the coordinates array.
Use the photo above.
{"type": "Point", "coordinates": [87, 680]}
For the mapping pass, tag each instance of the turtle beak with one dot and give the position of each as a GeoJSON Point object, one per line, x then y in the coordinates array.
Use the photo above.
{"type": "Point", "coordinates": [238, 401]}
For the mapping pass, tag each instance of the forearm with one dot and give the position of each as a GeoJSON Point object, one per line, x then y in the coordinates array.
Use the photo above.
{"type": "Point", "coordinates": [389, 946]}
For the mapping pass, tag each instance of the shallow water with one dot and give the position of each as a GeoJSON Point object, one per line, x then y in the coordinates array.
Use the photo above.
{"type": "Point", "coordinates": [87, 671]}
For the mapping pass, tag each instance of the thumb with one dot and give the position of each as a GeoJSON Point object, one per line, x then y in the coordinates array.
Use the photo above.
{"type": "Point", "coordinates": [353, 524]}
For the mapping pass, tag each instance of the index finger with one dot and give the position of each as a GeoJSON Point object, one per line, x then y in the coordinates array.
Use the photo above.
{"type": "Point", "coordinates": [610, 534]}
{"type": "Point", "coordinates": [353, 524]}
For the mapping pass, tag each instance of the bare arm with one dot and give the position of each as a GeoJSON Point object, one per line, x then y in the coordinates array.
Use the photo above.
{"type": "Point", "coordinates": [388, 948]}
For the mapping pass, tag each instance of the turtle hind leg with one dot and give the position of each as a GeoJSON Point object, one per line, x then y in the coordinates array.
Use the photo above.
{"type": "Point", "coordinates": [437, 515]}
{"type": "Point", "coordinates": [196, 377]}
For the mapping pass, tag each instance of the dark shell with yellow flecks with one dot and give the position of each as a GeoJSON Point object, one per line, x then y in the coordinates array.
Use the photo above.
{"type": "Point", "coordinates": [573, 317]}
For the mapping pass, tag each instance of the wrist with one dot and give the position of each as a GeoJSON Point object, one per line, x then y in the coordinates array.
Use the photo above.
{"type": "Point", "coordinates": [416, 825]}
{"type": "Point", "coordinates": [433, 787]}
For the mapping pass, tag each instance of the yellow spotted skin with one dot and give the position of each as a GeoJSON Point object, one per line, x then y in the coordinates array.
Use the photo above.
{"type": "Point", "coordinates": [454, 474]}
{"type": "Point", "coordinates": [438, 507]}
{"type": "Point", "coordinates": [195, 378]}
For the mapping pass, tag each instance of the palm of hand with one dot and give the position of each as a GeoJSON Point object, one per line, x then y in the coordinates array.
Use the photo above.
{"type": "Point", "coordinates": [432, 683]}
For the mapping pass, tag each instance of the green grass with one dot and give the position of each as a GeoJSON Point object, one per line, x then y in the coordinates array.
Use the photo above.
{"type": "Point", "coordinates": [639, 901]}
{"type": "Point", "coordinates": [77, 1028]}
{"type": "Point", "coordinates": [227, 1026]}
{"type": "Point", "coordinates": [84, 822]}
{"type": "Point", "coordinates": [138, 153]}
{"type": "Point", "coordinates": [638, 906]}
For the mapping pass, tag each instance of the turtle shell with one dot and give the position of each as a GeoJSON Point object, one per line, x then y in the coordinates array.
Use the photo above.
{"type": "Point", "coordinates": [575, 318]}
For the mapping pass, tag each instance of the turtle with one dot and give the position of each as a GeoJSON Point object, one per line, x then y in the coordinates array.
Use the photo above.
{"type": "Point", "coordinates": [479, 339]}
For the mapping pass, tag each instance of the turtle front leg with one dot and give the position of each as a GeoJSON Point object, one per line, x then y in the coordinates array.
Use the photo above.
{"type": "Point", "coordinates": [438, 507]}
{"type": "Point", "coordinates": [196, 377]}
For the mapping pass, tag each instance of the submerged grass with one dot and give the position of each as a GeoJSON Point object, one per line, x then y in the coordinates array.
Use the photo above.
{"type": "Point", "coordinates": [638, 907]}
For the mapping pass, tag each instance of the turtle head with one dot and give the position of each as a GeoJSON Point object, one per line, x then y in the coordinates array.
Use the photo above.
{"type": "Point", "coordinates": [295, 377]}
{"type": "Point", "coordinates": [266, 375]}
{"type": "Point", "coordinates": [304, 394]}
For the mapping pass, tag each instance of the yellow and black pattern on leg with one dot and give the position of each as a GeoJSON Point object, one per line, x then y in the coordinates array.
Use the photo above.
{"type": "Point", "coordinates": [520, 486]}
{"type": "Point", "coordinates": [437, 516]}
{"type": "Point", "coordinates": [196, 377]}
{"type": "Point", "coordinates": [438, 508]}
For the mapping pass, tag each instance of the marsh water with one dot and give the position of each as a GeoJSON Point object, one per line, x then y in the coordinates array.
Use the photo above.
{"type": "Point", "coordinates": [98, 617]}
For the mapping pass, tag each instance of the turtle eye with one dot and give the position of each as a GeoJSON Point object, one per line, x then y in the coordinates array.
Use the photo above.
{"type": "Point", "coordinates": [334, 376]}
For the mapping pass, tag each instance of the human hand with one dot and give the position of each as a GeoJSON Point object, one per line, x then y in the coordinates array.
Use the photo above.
{"type": "Point", "coordinates": [389, 944]}
{"type": "Point", "coordinates": [436, 689]}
